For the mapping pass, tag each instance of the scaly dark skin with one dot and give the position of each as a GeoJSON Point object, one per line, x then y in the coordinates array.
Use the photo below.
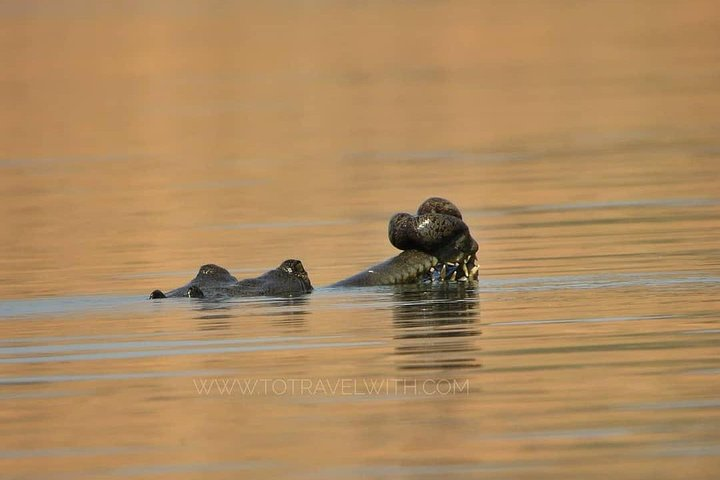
{"type": "Point", "coordinates": [212, 281]}
{"type": "Point", "coordinates": [436, 244]}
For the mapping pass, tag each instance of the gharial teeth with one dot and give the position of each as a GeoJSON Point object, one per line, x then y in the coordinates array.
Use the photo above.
{"type": "Point", "coordinates": [474, 271]}
{"type": "Point", "coordinates": [442, 272]}
{"type": "Point", "coordinates": [465, 270]}
{"type": "Point", "coordinates": [452, 277]}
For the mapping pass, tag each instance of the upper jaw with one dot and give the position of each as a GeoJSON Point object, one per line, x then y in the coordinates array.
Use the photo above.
{"type": "Point", "coordinates": [460, 247]}
{"type": "Point", "coordinates": [444, 235]}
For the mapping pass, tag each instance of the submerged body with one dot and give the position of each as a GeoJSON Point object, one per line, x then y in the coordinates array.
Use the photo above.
{"type": "Point", "coordinates": [436, 244]}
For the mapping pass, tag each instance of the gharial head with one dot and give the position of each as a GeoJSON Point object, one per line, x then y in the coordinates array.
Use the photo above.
{"type": "Point", "coordinates": [439, 230]}
{"type": "Point", "coordinates": [295, 269]}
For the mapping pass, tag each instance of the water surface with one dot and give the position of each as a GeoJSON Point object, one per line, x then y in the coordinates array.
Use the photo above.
{"type": "Point", "coordinates": [143, 139]}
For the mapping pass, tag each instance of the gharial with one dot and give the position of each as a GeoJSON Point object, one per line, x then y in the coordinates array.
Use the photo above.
{"type": "Point", "coordinates": [436, 247]}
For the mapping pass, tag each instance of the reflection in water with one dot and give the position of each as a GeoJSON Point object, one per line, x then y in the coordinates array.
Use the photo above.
{"type": "Point", "coordinates": [214, 315]}
{"type": "Point", "coordinates": [289, 313]}
{"type": "Point", "coordinates": [436, 326]}
{"type": "Point", "coordinates": [286, 312]}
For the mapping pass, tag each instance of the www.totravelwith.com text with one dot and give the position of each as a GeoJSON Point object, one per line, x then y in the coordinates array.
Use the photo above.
{"type": "Point", "coordinates": [331, 387]}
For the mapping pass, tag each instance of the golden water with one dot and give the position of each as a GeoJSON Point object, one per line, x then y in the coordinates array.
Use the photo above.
{"type": "Point", "coordinates": [140, 140]}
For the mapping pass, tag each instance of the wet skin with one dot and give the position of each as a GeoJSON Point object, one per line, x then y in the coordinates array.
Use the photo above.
{"type": "Point", "coordinates": [289, 279]}
{"type": "Point", "coordinates": [436, 244]}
